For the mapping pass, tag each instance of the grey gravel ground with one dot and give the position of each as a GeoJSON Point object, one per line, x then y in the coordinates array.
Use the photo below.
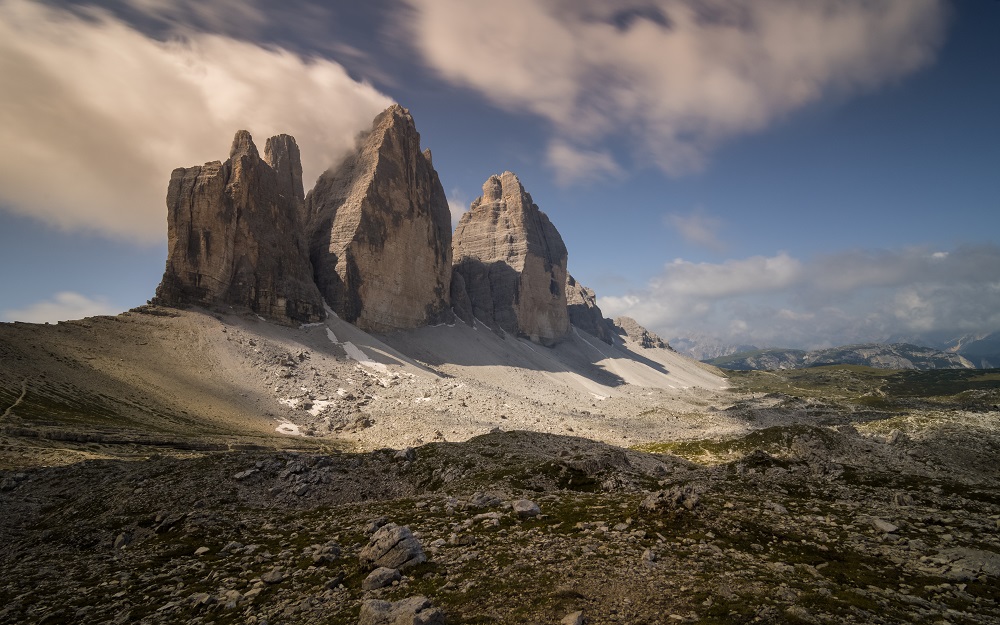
{"type": "Point", "coordinates": [815, 525]}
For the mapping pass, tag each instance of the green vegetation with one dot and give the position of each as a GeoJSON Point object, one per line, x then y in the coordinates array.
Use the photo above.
{"type": "Point", "coordinates": [882, 389]}
{"type": "Point", "coordinates": [773, 440]}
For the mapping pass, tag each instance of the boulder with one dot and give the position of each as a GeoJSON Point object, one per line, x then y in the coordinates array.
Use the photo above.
{"type": "Point", "coordinates": [393, 547]}
{"type": "Point", "coordinates": [583, 312]}
{"type": "Point", "coordinates": [380, 578]}
{"type": "Point", "coordinates": [410, 611]}
{"type": "Point", "coordinates": [234, 235]}
{"type": "Point", "coordinates": [525, 508]}
{"type": "Point", "coordinates": [379, 231]}
{"type": "Point", "coordinates": [513, 264]}
{"type": "Point", "coordinates": [671, 500]}
{"type": "Point", "coordinates": [573, 618]}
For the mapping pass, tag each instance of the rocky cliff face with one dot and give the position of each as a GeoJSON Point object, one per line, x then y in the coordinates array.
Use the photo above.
{"type": "Point", "coordinates": [512, 262]}
{"type": "Point", "coordinates": [584, 313]}
{"type": "Point", "coordinates": [629, 328]}
{"type": "Point", "coordinates": [380, 231]}
{"type": "Point", "coordinates": [234, 235]}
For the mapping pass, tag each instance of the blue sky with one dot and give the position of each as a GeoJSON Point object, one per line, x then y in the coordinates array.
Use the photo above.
{"type": "Point", "coordinates": [779, 173]}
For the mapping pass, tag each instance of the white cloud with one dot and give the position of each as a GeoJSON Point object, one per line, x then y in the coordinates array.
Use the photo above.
{"type": "Point", "coordinates": [61, 307]}
{"type": "Point", "coordinates": [853, 296]}
{"type": "Point", "coordinates": [458, 205]}
{"type": "Point", "coordinates": [572, 164]}
{"type": "Point", "coordinates": [96, 114]}
{"type": "Point", "coordinates": [754, 275]}
{"type": "Point", "coordinates": [674, 77]}
{"type": "Point", "coordinates": [697, 228]}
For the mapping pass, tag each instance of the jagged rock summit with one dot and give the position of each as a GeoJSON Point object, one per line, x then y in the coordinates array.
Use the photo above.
{"type": "Point", "coordinates": [629, 328]}
{"type": "Point", "coordinates": [234, 236]}
{"type": "Point", "coordinates": [510, 265]}
{"type": "Point", "coordinates": [380, 231]}
{"type": "Point", "coordinates": [372, 242]}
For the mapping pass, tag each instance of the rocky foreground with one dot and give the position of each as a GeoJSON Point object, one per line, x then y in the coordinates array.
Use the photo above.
{"type": "Point", "coordinates": [792, 524]}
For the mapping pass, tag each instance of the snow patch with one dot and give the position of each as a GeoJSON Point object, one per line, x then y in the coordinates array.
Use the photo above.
{"type": "Point", "coordinates": [319, 406]}
{"type": "Point", "coordinates": [312, 325]}
{"type": "Point", "coordinates": [599, 397]}
{"type": "Point", "coordinates": [287, 427]}
{"type": "Point", "coordinates": [333, 337]}
{"type": "Point", "coordinates": [355, 353]}
{"type": "Point", "coordinates": [290, 402]}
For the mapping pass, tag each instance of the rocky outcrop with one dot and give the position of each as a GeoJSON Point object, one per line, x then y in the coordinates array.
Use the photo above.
{"type": "Point", "coordinates": [629, 328]}
{"type": "Point", "coordinates": [380, 231]}
{"type": "Point", "coordinates": [512, 262]}
{"type": "Point", "coordinates": [234, 234]}
{"type": "Point", "coordinates": [581, 303]}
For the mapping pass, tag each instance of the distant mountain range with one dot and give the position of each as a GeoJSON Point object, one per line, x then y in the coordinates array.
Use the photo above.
{"type": "Point", "coordinates": [878, 355]}
{"type": "Point", "coordinates": [703, 347]}
{"type": "Point", "coordinates": [983, 350]}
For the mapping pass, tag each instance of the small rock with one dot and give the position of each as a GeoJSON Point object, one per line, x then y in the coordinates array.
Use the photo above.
{"type": "Point", "coordinates": [883, 526]}
{"type": "Point", "coordinates": [674, 499]}
{"type": "Point", "coordinates": [201, 598]}
{"type": "Point", "coordinates": [274, 576]}
{"type": "Point", "coordinates": [407, 454]}
{"type": "Point", "coordinates": [484, 500]}
{"type": "Point", "coordinates": [648, 557]}
{"type": "Point", "coordinates": [200, 551]}
{"type": "Point", "coordinates": [122, 540]}
{"type": "Point", "coordinates": [168, 521]}
{"type": "Point", "coordinates": [525, 508]}
{"type": "Point", "coordinates": [777, 507]}
{"type": "Point", "coordinates": [374, 524]}
{"type": "Point", "coordinates": [327, 554]}
{"type": "Point", "coordinates": [335, 581]}
{"type": "Point", "coordinates": [574, 618]}
{"type": "Point", "coordinates": [902, 499]}
{"type": "Point", "coordinates": [380, 578]}
{"type": "Point", "coordinates": [242, 475]}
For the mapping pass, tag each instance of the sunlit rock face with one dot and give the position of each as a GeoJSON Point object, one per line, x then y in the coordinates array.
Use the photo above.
{"type": "Point", "coordinates": [234, 234]}
{"type": "Point", "coordinates": [512, 262]}
{"type": "Point", "coordinates": [379, 228]}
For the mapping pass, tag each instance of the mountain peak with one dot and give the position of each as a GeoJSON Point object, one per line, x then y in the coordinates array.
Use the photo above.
{"type": "Point", "coordinates": [379, 230]}
{"type": "Point", "coordinates": [234, 236]}
{"type": "Point", "coordinates": [243, 145]}
{"type": "Point", "coordinates": [512, 263]}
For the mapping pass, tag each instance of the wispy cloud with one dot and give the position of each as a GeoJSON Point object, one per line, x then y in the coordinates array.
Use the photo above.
{"type": "Point", "coordinates": [673, 77]}
{"type": "Point", "coordinates": [458, 204]}
{"type": "Point", "coordinates": [573, 164]}
{"type": "Point", "coordinates": [852, 296]}
{"type": "Point", "coordinates": [61, 307]}
{"type": "Point", "coordinates": [698, 228]}
{"type": "Point", "coordinates": [109, 112]}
